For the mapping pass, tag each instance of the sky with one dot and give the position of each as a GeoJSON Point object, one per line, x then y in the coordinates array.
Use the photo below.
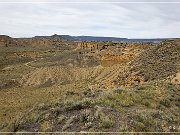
{"type": "Point", "coordinates": [112, 18]}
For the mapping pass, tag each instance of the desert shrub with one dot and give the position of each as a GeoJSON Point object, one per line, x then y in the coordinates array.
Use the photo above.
{"type": "Point", "coordinates": [148, 120]}
{"type": "Point", "coordinates": [45, 126]}
{"type": "Point", "coordinates": [118, 91]}
{"type": "Point", "coordinates": [8, 84]}
{"type": "Point", "coordinates": [88, 124]}
{"type": "Point", "coordinates": [118, 100]}
{"type": "Point", "coordinates": [85, 116]}
{"type": "Point", "coordinates": [147, 103]}
{"type": "Point", "coordinates": [165, 102]}
{"type": "Point", "coordinates": [70, 93]}
{"type": "Point", "coordinates": [89, 93]}
{"type": "Point", "coordinates": [46, 116]}
{"type": "Point", "coordinates": [140, 87]}
{"type": "Point", "coordinates": [61, 119]}
{"type": "Point", "coordinates": [139, 126]}
{"type": "Point", "coordinates": [69, 122]}
{"type": "Point", "coordinates": [84, 103]}
{"type": "Point", "coordinates": [33, 117]}
{"type": "Point", "coordinates": [11, 61]}
{"type": "Point", "coordinates": [104, 120]}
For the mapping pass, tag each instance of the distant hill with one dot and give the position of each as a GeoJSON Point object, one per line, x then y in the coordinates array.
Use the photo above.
{"type": "Point", "coordinates": [58, 39]}
{"type": "Point", "coordinates": [82, 38]}
{"type": "Point", "coordinates": [93, 38]}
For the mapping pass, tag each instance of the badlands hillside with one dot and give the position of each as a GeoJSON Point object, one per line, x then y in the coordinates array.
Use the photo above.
{"type": "Point", "coordinates": [53, 84]}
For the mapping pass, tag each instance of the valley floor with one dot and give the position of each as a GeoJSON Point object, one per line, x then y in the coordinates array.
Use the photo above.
{"type": "Point", "coordinates": [74, 89]}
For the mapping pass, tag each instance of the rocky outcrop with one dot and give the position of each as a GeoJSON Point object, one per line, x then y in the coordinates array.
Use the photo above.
{"type": "Point", "coordinates": [54, 40]}
{"type": "Point", "coordinates": [111, 59]}
{"type": "Point", "coordinates": [5, 40]}
{"type": "Point", "coordinates": [122, 53]}
{"type": "Point", "coordinates": [89, 45]}
{"type": "Point", "coordinates": [158, 62]}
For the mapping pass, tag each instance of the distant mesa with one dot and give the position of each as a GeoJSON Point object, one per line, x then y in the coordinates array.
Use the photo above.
{"type": "Point", "coordinates": [64, 40]}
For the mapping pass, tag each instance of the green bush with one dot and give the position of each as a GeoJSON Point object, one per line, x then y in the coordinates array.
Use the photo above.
{"type": "Point", "coordinates": [165, 102]}
{"type": "Point", "coordinates": [105, 121]}
{"type": "Point", "coordinates": [85, 103]}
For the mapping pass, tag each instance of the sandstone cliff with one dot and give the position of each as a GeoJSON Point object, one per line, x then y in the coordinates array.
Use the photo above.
{"type": "Point", "coordinates": [89, 45]}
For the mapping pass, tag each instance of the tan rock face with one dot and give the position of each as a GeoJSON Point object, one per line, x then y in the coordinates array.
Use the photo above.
{"type": "Point", "coordinates": [127, 53]}
{"type": "Point", "coordinates": [110, 59]}
{"type": "Point", "coordinates": [89, 45]}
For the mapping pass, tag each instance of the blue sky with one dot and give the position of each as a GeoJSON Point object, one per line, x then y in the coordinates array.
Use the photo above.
{"type": "Point", "coordinates": [27, 18]}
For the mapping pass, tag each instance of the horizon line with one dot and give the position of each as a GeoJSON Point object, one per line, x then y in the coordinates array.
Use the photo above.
{"type": "Point", "coordinates": [90, 2]}
{"type": "Point", "coordinates": [89, 36]}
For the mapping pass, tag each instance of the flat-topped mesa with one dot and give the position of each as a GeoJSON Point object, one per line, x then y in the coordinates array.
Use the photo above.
{"type": "Point", "coordinates": [53, 40]}
{"type": "Point", "coordinates": [89, 45]}
{"type": "Point", "coordinates": [53, 37]}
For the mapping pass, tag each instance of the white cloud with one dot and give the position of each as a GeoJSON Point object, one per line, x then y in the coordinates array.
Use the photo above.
{"type": "Point", "coordinates": [135, 20]}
